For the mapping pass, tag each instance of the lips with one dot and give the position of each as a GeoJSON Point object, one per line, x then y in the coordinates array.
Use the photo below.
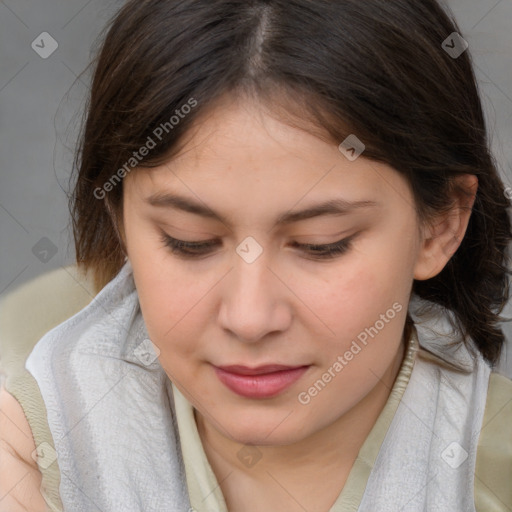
{"type": "Point", "coordinates": [260, 382]}
{"type": "Point", "coordinates": [260, 370]}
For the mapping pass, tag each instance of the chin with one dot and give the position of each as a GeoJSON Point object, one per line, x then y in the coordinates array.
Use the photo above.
{"type": "Point", "coordinates": [254, 438]}
{"type": "Point", "coordinates": [271, 431]}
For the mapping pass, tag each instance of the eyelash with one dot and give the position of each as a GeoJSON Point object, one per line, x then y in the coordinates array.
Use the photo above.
{"type": "Point", "coordinates": [186, 249]}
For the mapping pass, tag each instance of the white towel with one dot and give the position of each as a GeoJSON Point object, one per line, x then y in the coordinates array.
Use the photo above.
{"type": "Point", "coordinates": [109, 409]}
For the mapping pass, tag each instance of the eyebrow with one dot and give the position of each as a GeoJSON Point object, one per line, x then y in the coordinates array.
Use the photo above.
{"type": "Point", "coordinates": [335, 206]}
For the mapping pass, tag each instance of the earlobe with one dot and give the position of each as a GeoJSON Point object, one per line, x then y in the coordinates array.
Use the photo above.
{"type": "Point", "coordinates": [444, 234]}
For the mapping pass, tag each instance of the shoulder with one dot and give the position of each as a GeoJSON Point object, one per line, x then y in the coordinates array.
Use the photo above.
{"type": "Point", "coordinates": [32, 309]}
{"type": "Point", "coordinates": [493, 471]}
{"type": "Point", "coordinates": [20, 479]}
{"type": "Point", "coordinates": [26, 314]}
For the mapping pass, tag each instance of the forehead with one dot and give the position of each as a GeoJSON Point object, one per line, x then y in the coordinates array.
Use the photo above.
{"type": "Point", "coordinates": [239, 157]}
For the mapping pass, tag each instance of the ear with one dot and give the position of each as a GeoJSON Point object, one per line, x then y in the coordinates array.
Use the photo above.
{"type": "Point", "coordinates": [443, 235]}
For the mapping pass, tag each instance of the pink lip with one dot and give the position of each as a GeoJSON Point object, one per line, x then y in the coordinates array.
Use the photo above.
{"type": "Point", "coordinates": [262, 382]}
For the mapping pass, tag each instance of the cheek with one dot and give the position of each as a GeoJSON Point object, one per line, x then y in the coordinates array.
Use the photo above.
{"type": "Point", "coordinates": [353, 297]}
{"type": "Point", "coordinates": [171, 306]}
{"type": "Point", "coordinates": [170, 298]}
{"type": "Point", "coordinates": [363, 301]}
{"type": "Point", "coordinates": [161, 289]}
{"type": "Point", "coordinates": [174, 318]}
{"type": "Point", "coordinates": [365, 311]}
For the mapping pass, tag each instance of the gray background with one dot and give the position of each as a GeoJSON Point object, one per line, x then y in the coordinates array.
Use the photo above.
{"type": "Point", "coordinates": [40, 102]}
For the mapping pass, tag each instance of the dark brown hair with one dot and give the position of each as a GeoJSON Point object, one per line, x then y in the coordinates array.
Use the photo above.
{"type": "Point", "coordinates": [376, 69]}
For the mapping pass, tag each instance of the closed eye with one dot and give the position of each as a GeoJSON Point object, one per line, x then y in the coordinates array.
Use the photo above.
{"type": "Point", "coordinates": [198, 249]}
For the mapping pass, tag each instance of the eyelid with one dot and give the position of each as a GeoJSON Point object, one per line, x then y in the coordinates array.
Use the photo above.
{"type": "Point", "coordinates": [347, 241]}
{"type": "Point", "coordinates": [192, 243]}
{"type": "Point", "coordinates": [316, 252]}
{"type": "Point", "coordinates": [213, 241]}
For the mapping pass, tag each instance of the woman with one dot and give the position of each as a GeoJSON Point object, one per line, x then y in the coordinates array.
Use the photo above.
{"type": "Point", "coordinates": [303, 238]}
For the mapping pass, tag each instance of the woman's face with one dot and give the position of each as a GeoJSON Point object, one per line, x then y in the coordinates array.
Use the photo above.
{"type": "Point", "coordinates": [254, 297]}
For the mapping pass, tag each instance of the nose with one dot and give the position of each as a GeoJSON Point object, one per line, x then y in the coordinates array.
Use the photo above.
{"type": "Point", "coordinates": [254, 301]}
